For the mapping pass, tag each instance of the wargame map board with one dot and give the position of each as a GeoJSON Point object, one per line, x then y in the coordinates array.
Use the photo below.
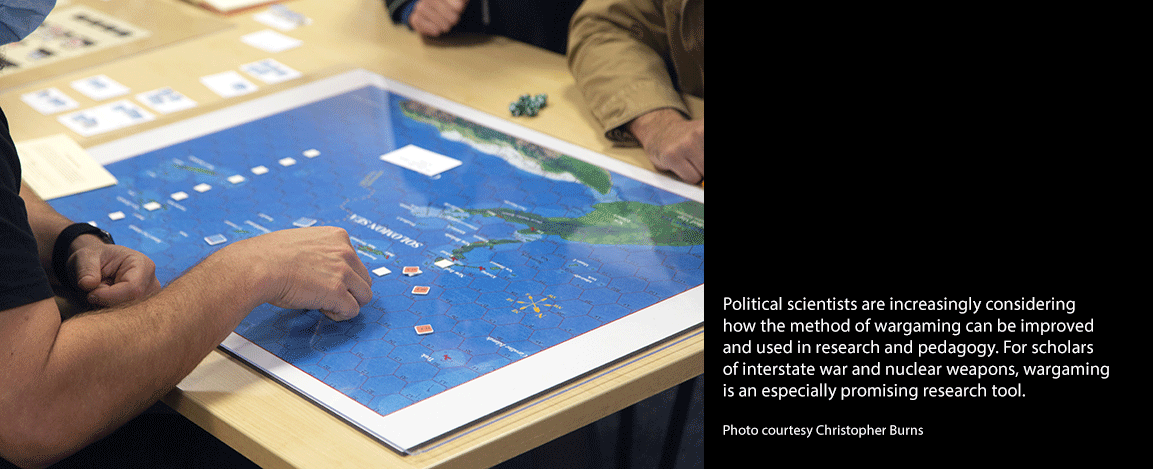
{"type": "Point", "coordinates": [506, 262]}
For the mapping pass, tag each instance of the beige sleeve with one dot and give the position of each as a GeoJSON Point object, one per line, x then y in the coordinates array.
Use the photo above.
{"type": "Point", "coordinates": [617, 51]}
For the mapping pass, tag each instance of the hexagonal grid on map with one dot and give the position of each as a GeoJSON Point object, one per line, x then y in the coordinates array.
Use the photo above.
{"type": "Point", "coordinates": [520, 280]}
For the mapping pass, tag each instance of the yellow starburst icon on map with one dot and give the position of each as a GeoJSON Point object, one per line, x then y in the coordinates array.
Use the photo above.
{"type": "Point", "coordinates": [536, 304]}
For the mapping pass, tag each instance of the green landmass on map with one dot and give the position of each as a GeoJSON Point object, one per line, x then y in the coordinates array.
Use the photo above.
{"type": "Point", "coordinates": [459, 252]}
{"type": "Point", "coordinates": [635, 223]}
{"type": "Point", "coordinates": [195, 169]}
{"type": "Point", "coordinates": [550, 161]}
{"type": "Point", "coordinates": [370, 250]}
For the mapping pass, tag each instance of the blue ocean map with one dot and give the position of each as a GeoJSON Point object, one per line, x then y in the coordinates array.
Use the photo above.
{"type": "Point", "coordinates": [521, 248]}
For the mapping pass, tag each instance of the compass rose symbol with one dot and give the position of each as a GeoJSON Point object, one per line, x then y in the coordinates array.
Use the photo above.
{"type": "Point", "coordinates": [536, 304]}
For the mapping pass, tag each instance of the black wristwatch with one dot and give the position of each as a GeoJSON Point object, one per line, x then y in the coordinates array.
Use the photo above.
{"type": "Point", "coordinates": [60, 251]}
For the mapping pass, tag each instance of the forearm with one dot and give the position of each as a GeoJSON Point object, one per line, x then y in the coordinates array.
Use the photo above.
{"type": "Point", "coordinates": [620, 73]}
{"type": "Point", "coordinates": [46, 223]}
{"type": "Point", "coordinates": [648, 124]}
{"type": "Point", "coordinates": [672, 142]}
{"type": "Point", "coordinates": [96, 371]}
{"type": "Point", "coordinates": [63, 385]}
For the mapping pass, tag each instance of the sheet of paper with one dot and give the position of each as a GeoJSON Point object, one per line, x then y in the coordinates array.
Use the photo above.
{"type": "Point", "coordinates": [420, 160]}
{"type": "Point", "coordinates": [280, 17]}
{"type": "Point", "coordinates": [270, 41]}
{"type": "Point", "coordinates": [69, 31]}
{"type": "Point", "coordinates": [227, 6]}
{"type": "Point", "coordinates": [57, 166]}
{"type": "Point", "coordinates": [49, 101]}
{"type": "Point", "coordinates": [105, 118]}
{"type": "Point", "coordinates": [165, 100]}
{"type": "Point", "coordinates": [270, 71]}
{"type": "Point", "coordinates": [99, 87]}
{"type": "Point", "coordinates": [228, 84]}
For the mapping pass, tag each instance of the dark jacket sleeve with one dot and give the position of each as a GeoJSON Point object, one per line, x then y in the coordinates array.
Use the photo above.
{"type": "Point", "coordinates": [22, 279]}
{"type": "Point", "coordinates": [395, 8]}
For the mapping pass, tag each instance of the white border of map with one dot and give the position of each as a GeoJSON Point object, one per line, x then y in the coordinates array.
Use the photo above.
{"type": "Point", "coordinates": [454, 408]}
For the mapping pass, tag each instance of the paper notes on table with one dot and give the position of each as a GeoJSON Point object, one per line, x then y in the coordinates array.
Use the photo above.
{"type": "Point", "coordinates": [228, 84]}
{"type": "Point", "coordinates": [57, 166]}
{"type": "Point", "coordinates": [105, 118]}
{"type": "Point", "coordinates": [49, 101]}
{"type": "Point", "coordinates": [228, 6]}
{"type": "Point", "coordinates": [420, 160]}
{"type": "Point", "coordinates": [165, 100]}
{"type": "Point", "coordinates": [270, 41]}
{"type": "Point", "coordinates": [99, 87]}
{"type": "Point", "coordinates": [270, 71]}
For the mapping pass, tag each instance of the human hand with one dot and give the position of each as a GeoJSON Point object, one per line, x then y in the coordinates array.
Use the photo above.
{"type": "Point", "coordinates": [309, 268]}
{"type": "Point", "coordinates": [435, 17]}
{"type": "Point", "coordinates": [109, 274]}
{"type": "Point", "coordinates": [672, 142]}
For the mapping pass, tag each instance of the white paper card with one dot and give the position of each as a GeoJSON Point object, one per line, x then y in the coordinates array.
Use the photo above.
{"type": "Point", "coordinates": [270, 41]}
{"type": "Point", "coordinates": [270, 71]}
{"type": "Point", "coordinates": [282, 18]}
{"type": "Point", "coordinates": [420, 160]}
{"type": "Point", "coordinates": [228, 84]}
{"type": "Point", "coordinates": [105, 118]}
{"type": "Point", "coordinates": [49, 101]}
{"type": "Point", "coordinates": [57, 166]}
{"type": "Point", "coordinates": [99, 87]}
{"type": "Point", "coordinates": [165, 100]}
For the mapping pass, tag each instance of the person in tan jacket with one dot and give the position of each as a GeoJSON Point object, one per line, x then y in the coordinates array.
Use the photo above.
{"type": "Point", "coordinates": [632, 59]}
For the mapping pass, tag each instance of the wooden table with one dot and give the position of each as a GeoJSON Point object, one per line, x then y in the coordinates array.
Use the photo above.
{"type": "Point", "coordinates": [260, 418]}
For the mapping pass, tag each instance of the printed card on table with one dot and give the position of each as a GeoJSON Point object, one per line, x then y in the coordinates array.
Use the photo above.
{"type": "Point", "coordinates": [270, 41]}
{"type": "Point", "coordinates": [270, 71]}
{"type": "Point", "coordinates": [165, 100]}
{"type": "Point", "coordinates": [99, 87]}
{"type": "Point", "coordinates": [420, 160]}
{"type": "Point", "coordinates": [56, 166]}
{"type": "Point", "coordinates": [228, 84]}
{"type": "Point", "coordinates": [49, 101]}
{"type": "Point", "coordinates": [105, 118]}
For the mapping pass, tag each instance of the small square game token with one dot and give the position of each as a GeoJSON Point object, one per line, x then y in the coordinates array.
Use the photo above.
{"type": "Point", "coordinates": [424, 329]}
{"type": "Point", "coordinates": [202, 187]}
{"type": "Point", "coordinates": [420, 290]}
{"type": "Point", "coordinates": [116, 216]}
{"type": "Point", "coordinates": [444, 263]}
{"type": "Point", "coordinates": [287, 161]}
{"type": "Point", "coordinates": [153, 205]}
{"type": "Point", "coordinates": [410, 271]}
{"type": "Point", "coordinates": [380, 271]}
{"type": "Point", "coordinates": [304, 222]}
{"type": "Point", "coordinates": [215, 239]}
{"type": "Point", "coordinates": [312, 153]}
{"type": "Point", "coordinates": [178, 196]}
{"type": "Point", "coordinates": [259, 170]}
{"type": "Point", "coordinates": [236, 179]}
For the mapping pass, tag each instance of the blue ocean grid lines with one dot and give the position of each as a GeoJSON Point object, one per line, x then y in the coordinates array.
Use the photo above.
{"type": "Point", "coordinates": [501, 287]}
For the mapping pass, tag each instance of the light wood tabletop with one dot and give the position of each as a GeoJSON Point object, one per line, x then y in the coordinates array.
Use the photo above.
{"type": "Point", "coordinates": [263, 420]}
